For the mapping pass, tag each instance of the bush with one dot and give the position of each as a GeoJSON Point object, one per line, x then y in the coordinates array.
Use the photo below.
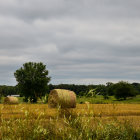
{"type": "Point", "coordinates": [122, 90]}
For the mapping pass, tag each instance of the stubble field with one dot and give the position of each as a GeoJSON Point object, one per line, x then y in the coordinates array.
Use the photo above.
{"type": "Point", "coordinates": [86, 121]}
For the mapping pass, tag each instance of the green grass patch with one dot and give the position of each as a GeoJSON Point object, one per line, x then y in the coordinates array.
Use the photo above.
{"type": "Point", "coordinates": [99, 99]}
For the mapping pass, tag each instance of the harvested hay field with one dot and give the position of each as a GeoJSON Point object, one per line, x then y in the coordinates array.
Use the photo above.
{"type": "Point", "coordinates": [84, 110]}
{"type": "Point", "coordinates": [119, 120]}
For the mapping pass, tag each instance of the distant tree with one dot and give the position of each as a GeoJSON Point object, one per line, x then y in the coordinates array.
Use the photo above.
{"type": "Point", "coordinates": [122, 90]}
{"type": "Point", "coordinates": [110, 88]}
{"type": "Point", "coordinates": [8, 90]}
{"type": "Point", "coordinates": [137, 87]}
{"type": "Point", "coordinates": [32, 80]}
{"type": "Point", "coordinates": [80, 90]}
{"type": "Point", "coordinates": [0, 96]}
{"type": "Point", "coordinates": [102, 90]}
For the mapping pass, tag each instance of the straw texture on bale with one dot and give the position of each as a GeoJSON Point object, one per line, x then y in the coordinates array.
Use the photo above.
{"type": "Point", "coordinates": [11, 100]}
{"type": "Point", "coordinates": [63, 98]}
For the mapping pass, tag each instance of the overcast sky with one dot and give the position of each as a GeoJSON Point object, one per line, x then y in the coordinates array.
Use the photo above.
{"type": "Point", "coordinates": [80, 41]}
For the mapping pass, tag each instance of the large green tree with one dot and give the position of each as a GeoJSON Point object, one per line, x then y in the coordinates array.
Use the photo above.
{"type": "Point", "coordinates": [32, 80]}
{"type": "Point", "coordinates": [122, 90]}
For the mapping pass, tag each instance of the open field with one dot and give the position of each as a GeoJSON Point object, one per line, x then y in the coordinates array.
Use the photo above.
{"type": "Point", "coordinates": [95, 110]}
{"type": "Point", "coordinates": [17, 120]}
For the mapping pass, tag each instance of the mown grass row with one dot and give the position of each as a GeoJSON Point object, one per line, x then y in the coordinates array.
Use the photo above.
{"type": "Point", "coordinates": [82, 109]}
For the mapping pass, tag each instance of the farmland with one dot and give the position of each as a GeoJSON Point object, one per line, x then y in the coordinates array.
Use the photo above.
{"type": "Point", "coordinates": [86, 121]}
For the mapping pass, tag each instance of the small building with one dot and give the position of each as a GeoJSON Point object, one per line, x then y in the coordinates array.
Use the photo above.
{"type": "Point", "coordinates": [14, 95]}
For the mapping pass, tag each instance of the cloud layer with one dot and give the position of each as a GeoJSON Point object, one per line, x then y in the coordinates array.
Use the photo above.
{"type": "Point", "coordinates": [80, 41]}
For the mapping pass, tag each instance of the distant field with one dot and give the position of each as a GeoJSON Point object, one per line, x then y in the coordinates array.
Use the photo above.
{"type": "Point", "coordinates": [100, 100]}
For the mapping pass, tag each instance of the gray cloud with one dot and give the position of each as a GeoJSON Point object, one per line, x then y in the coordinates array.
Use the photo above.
{"type": "Point", "coordinates": [80, 41]}
{"type": "Point", "coordinates": [63, 8]}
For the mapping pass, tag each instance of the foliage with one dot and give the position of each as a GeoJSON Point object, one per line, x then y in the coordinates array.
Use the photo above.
{"type": "Point", "coordinates": [8, 90]}
{"type": "Point", "coordinates": [32, 80]}
{"type": "Point", "coordinates": [137, 87]}
{"type": "Point", "coordinates": [0, 97]}
{"type": "Point", "coordinates": [100, 100]}
{"type": "Point", "coordinates": [102, 90]}
{"type": "Point", "coordinates": [45, 98]}
{"type": "Point", "coordinates": [91, 93]}
{"type": "Point", "coordinates": [80, 90]}
{"type": "Point", "coordinates": [123, 90]}
{"type": "Point", "coordinates": [110, 88]}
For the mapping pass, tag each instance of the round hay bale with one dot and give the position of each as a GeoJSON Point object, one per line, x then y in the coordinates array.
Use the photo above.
{"type": "Point", "coordinates": [10, 100]}
{"type": "Point", "coordinates": [63, 98]}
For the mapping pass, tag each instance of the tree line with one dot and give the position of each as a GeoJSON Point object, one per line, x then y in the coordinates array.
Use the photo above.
{"type": "Point", "coordinates": [81, 90]}
{"type": "Point", "coordinates": [33, 83]}
{"type": "Point", "coordinates": [8, 90]}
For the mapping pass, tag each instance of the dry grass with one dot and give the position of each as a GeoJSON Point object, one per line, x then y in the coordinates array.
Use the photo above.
{"type": "Point", "coordinates": [43, 122]}
{"type": "Point", "coordinates": [104, 111]}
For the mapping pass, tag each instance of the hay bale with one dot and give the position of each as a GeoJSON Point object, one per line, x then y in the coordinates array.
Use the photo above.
{"type": "Point", "coordinates": [63, 98]}
{"type": "Point", "coordinates": [10, 100]}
